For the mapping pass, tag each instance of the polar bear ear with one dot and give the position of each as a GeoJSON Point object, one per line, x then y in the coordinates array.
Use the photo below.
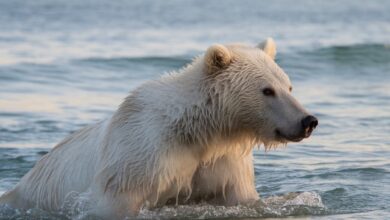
{"type": "Point", "coordinates": [269, 47]}
{"type": "Point", "coordinates": [217, 57]}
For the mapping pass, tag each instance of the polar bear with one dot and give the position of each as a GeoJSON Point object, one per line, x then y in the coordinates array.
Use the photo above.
{"type": "Point", "coordinates": [187, 136]}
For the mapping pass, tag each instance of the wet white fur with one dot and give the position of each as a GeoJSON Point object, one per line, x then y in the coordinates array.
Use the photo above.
{"type": "Point", "coordinates": [176, 137]}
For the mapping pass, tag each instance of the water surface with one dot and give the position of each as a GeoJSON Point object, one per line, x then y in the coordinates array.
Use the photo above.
{"type": "Point", "coordinates": [66, 64]}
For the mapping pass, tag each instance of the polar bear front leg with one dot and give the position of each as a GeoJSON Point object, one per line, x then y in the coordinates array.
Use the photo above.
{"type": "Point", "coordinates": [240, 188]}
{"type": "Point", "coordinates": [231, 177]}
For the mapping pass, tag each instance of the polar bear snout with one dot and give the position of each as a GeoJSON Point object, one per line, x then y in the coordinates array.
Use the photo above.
{"type": "Point", "coordinates": [304, 130]}
{"type": "Point", "coordinates": [309, 123]}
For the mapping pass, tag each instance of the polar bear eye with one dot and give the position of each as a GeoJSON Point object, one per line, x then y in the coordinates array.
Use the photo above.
{"type": "Point", "coordinates": [268, 92]}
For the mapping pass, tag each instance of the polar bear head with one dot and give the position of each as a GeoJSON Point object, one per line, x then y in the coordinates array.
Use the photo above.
{"type": "Point", "coordinates": [253, 93]}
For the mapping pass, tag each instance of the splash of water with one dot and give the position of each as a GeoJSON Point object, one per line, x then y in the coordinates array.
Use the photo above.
{"type": "Point", "coordinates": [305, 203]}
{"type": "Point", "coordinates": [290, 204]}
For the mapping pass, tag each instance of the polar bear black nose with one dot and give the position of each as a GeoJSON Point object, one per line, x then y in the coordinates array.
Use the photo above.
{"type": "Point", "coordinates": [309, 123]}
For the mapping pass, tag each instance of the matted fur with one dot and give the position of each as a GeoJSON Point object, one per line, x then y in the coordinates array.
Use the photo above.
{"type": "Point", "coordinates": [187, 136]}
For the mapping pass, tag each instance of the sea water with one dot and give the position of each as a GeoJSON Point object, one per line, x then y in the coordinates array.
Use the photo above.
{"type": "Point", "coordinates": [65, 64]}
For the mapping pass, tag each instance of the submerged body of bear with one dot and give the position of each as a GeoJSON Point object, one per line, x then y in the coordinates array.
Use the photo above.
{"type": "Point", "coordinates": [184, 137]}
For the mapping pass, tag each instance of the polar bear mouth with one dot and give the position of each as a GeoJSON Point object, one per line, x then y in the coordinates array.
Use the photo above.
{"type": "Point", "coordinates": [293, 138]}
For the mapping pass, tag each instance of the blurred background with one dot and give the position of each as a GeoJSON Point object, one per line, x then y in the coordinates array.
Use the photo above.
{"type": "Point", "coordinates": [68, 63]}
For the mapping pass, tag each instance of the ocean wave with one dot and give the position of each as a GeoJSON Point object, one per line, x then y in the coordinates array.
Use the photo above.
{"type": "Point", "coordinates": [344, 58]}
{"type": "Point", "coordinates": [363, 54]}
{"type": "Point", "coordinates": [124, 62]}
{"type": "Point", "coordinates": [355, 172]}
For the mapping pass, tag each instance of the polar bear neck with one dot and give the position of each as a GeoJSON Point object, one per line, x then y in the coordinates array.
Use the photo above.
{"type": "Point", "coordinates": [206, 119]}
